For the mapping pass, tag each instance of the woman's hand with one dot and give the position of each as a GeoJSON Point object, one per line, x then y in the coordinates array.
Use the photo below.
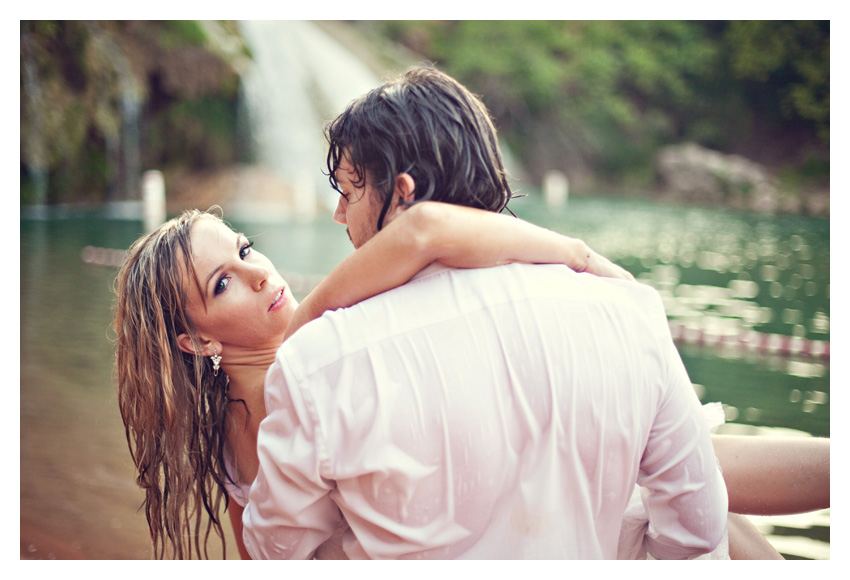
{"type": "Point", "coordinates": [463, 237]}
{"type": "Point", "coordinates": [602, 266]}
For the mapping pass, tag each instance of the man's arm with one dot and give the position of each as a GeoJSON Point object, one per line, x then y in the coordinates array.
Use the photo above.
{"type": "Point", "coordinates": [684, 494]}
{"type": "Point", "coordinates": [289, 512]}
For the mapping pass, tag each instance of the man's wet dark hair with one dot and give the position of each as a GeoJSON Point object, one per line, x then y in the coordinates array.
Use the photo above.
{"type": "Point", "coordinates": [430, 126]}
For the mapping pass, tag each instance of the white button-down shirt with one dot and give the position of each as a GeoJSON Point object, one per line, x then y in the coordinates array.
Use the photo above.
{"type": "Point", "coordinates": [492, 413]}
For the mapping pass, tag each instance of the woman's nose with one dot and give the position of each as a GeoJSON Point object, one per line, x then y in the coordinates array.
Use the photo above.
{"type": "Point", "coordinates": [339, 214]}
{"type": "Point", "coordinates": [258, 276]}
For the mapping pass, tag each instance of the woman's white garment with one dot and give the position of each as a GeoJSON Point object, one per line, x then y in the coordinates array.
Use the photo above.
{"type": "Point", "coordinates": [632, 533]}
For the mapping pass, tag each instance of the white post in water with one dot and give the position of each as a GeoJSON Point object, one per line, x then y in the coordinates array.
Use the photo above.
{"type": "Point", "coordinates": [556, 188]}
{"type": "Point", "coordinates": [153, 199]}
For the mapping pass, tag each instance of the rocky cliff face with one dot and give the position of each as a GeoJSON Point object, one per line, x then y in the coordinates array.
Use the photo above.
{"type": "Point", "coordinates": [101, 101]}
{"type": "Point", "coordinates": [694, 174]}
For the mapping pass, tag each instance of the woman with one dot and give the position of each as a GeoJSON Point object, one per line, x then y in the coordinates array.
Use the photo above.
{"type": "Point", "coordinates": [200, 315]}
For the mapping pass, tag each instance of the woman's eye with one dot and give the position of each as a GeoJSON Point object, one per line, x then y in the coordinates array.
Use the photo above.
{"type": "Point", "coordinates": [245, 250]}
{"type": "Point", "coordinates": [221, 285]}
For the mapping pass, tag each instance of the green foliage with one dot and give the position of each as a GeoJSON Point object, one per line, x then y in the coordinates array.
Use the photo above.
{"type": "Point", "coordinates": [604, 95]}
{"type": "Point", "coordinates": [792, 58]}
{"type": "Point", "coordinates": [813, 170]}
{"type": "Point", "coordinates": [176, 33]}
{"type": "Point", "coordinates": [588, 97]}
{"type": "Point", "coordinates": [196, 133]}
{"type": "Point", "coordinates": [79, 79]}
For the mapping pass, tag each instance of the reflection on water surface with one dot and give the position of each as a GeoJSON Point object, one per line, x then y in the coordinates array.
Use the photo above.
{"type": "Point", "coordinates": [721, 274]}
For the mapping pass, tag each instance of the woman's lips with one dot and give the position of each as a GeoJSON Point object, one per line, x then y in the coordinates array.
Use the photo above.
{"type": "Point", "coordinates": [279, 301]}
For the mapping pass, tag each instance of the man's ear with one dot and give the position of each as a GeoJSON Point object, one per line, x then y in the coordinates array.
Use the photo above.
{"type": "Point", "coordinates": [403, 194]}
{"type": "Point", "coordinates": [184, 343]}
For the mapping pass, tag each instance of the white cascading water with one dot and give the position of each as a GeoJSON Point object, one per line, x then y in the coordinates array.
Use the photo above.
{"type": "Point", "coordinates": [299, 77]}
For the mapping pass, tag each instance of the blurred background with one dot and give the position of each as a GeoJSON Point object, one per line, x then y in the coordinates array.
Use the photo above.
{"type": "Point", "coordinates": [693, 153]}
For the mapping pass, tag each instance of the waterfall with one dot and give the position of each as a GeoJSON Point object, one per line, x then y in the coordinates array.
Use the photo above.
{"type": "Point", "coordinates": [299, 77]}
{"type": "Point", "coordinates": [130, 109]}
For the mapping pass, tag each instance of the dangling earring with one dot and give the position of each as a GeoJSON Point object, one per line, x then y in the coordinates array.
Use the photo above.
{"type": "Point", "coordinates": [215, 360]}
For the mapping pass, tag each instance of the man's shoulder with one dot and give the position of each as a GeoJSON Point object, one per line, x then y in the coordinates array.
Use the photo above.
{"type": "Point", "coordinates": [439, 290]}
{"type": "Point", "coordinates": [439, 293]}
{"type": "Point", "coordinates": [389, 312]}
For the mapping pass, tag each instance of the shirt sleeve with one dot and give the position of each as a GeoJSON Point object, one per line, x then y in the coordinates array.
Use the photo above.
{"type": "Point", "coordinates": [684, 493]}
{"type": "Point", "coordinates": [289, 511]}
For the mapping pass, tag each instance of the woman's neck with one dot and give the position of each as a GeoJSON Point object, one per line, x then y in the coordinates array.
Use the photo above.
{"type": "Point", "coordinates": [247, 372]}
{"type": "Point", "coordinates": [247, 375]}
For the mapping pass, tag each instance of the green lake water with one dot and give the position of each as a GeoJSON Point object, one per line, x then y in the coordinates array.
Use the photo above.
{"type": "Point", "coordinates": [734, 279]}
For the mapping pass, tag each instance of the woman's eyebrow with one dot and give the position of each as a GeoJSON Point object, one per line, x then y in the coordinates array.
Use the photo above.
{"type": "Point", "coordinates": [210, 277]}
{"type": "Point", "coordinates": [239, 237]}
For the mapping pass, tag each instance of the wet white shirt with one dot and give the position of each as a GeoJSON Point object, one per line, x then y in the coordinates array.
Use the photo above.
{"type": "Point", "coordinates": [493, 413]}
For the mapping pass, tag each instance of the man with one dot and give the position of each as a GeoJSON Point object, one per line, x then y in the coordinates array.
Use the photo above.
{"type": "Point", "coordinates": [495, 413]}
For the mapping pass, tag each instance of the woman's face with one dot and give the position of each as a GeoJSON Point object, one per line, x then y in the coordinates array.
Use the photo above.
{"type": "Point", "coordinates": [240, 300]}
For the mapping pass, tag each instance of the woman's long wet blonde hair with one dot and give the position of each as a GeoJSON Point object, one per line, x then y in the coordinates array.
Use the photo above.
{"type": "Point", "coordinates": [173, 405]}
